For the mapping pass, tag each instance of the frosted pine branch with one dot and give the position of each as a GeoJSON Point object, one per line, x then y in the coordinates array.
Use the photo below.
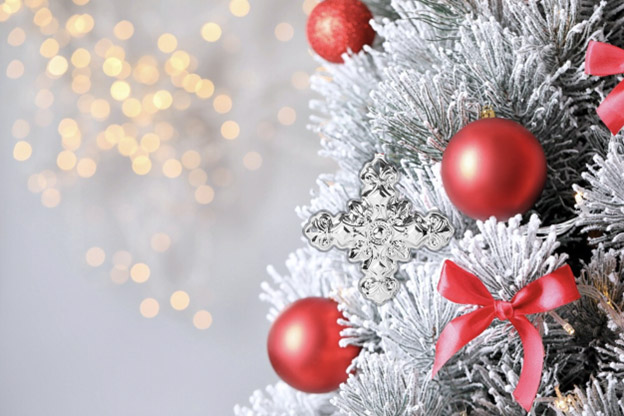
{"type": "Point", "coordinates": [413, 321]}
{"type": "Point", "coordinates": [386, 387]}
{"type": "Point", "coordinates": [282, 400]}
{"type": "Point", "coordinates": [311, 273]}
{"type": "Point", "coordinates": [507, 256]}
{"type": "Point", "coordinates": [601, 203]}
{"type": "Point", "coordinates": [434, 65]}
{"type": "Point", "coordinates": [599, 398]}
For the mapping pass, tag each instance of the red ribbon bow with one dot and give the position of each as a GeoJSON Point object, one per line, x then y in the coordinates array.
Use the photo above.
{"type": "Point", "coordinates": [546, 293]}
{"type": "Point", "coordinates": [603, 59]}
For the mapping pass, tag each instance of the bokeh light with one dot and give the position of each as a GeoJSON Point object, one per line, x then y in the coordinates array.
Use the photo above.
{"type": "Point", "coordinates": [172, 168]}
{"type": "Point", "coordinates": [141, 165]}
{"type": "Point", "coordinates": [230, 130]}
{"type": "Point", "coordinates": [160, 242]}
{"type": "Point", "coordinates": [202, 319]}
{"type": "Point", "coordinates": [286, 116]}
{"type": "Point", "coordinates": [252, 160]}
{"type": "Point", "coordinates": [119, 94]}
{"type": "Point", "coordinates": [49, 48]}
{"type": "Point", "coordinates": [22, 151]}
{"type": "Point", "coordinates": [204, 194]}
{"type": "Point", "coordinates": [15, 69]}
{"type": "Point", "coordinates": [66, 160]}
{"type": "Point", "coordinates": [167, 43]}
{"type": "Point", "coordinates": [50, 198]}
{"type": "Point", "coordinates": [16, 37]}
{"type": "Point", "coordinates": [179, 300]}
{"type": "Point", "coordinates": [123, 30]}
{"type": "Point", "coordinates": [44, 99]}
{"type": "Point", "coordinates": [300, 80]}
{"type": "Point", "coordinates": [239, 8]}
{"type": "Point", "coordinates": [120, 90]}
{"type": "Point", "coordinates": [140, 272]}
{"type": "Point", "coordinates": [81, 58]}
{"type": "Point", "coordinates": [222, 103]}
{"type": "Point", "coordinates": [211, 32]}
{"type": "Point", "coordinates": [284, 32]}
{"type": "Point", "coordinates": [57, 66]}
{"type": "Point", "coordinates": [20, 128]}
{"type": "Point", "coordinates": [191, 159]}
{"type": "Point", "coordinates": [149, 307]}
{"type": "Point", "coordinates": [95, 256]}
{"type": "Point", "coordinates": [119, 274]}
{"type": "Point", "coordinates": [86, 167]}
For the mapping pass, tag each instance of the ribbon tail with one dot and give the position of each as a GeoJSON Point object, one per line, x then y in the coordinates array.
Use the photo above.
{"type": "Point", "coordinates": [611, 111]}
{"type": "Point", "coordinates": [459, 332]}
{"type": "Point", "coordinates": [533, 362]}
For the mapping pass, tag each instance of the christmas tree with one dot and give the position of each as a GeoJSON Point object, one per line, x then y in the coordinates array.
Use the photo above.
{"type": "Point", "coordinates": [432, 69]}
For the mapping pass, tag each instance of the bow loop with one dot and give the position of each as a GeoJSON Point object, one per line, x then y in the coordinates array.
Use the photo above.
{"type": "Point", "coordinates": [473, 290]}
{"type": "Point", "coordinates": [544, 294]}
{"type": "Point", "coordinates": [547, 293]}
{"type": "Point", "coordinates": [603, 59]}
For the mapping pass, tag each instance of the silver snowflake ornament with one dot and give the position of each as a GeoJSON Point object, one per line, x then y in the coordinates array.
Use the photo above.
{"type": "Point", "coordinates": [378, 230]}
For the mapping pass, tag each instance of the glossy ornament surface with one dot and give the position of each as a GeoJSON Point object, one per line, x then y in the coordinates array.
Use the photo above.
{"type": "Point", "coordinates": [493, 167]}
{"type": "Point", "coordinates": [303, 346]}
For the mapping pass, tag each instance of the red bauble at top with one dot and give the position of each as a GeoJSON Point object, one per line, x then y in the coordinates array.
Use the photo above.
{"type": "Point", "coordinates": [303, 346]}
{"type": "Point", "coordinates": [334, 26]}
{"type": "Point", "coordinates": [493, 167]}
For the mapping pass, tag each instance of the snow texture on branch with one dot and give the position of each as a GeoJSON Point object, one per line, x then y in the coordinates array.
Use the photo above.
{"type": "Point", "coordinates": [599, 398]}
{"type": "Point", "coordinates": [601, 203]}
{"type": "Point", "coordinates": [386, 387]}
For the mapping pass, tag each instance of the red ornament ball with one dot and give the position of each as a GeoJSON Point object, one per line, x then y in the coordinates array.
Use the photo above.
{"type": "Point", "coordinates": [334, 26]}
{"type": "Point", "coordinates": [303, 346]}
{"type": "Point", "coordinates": [493, 167]}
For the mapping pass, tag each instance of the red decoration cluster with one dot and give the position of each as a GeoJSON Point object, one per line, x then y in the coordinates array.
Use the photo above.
{"type": "Point", "coordinates": [603, 59]}
{"type": "Point", "coordinates": [303, 346]}
{"type": "Point", "coordinates": [335, 26]}
{"type": "Point", "coordinates": [542, 295]}
{"type": "Point", "coordinates": [493, 167]}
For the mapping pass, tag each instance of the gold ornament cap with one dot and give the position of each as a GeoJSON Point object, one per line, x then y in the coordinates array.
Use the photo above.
{"type": "Point", "coordinates": [487, 112]}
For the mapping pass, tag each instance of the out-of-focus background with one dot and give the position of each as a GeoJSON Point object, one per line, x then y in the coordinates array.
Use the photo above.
{"type": "Point", "coordinates": [153, 153]}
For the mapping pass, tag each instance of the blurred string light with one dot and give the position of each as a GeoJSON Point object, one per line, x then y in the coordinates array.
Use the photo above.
{"type": "Point", "coordinates": [127, 105]}
{"type": "Point", "coordinates": [239, 8]}
{"type": "Point", "coordinates": [211, 32]}
{"type": "Point", "coordinates": [300, 80]}
{"type": "Point", "coordinates": [286, 116]}
{"type": "Point", "coordinates": [284, 32]}
{"type": "Point", "coordinates": [149, 307]}
{"type": "Point", "coordinates": [308, 5]}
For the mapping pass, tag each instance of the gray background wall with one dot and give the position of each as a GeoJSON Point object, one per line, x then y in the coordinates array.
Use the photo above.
{"type": "Point", "coordinates": [74, 343]}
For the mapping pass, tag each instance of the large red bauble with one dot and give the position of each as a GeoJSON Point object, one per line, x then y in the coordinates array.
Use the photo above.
{"type": "Point", "coordinates": [303, 346]}
{"type": "Point", "coordinates": [493, 167]}
{"type": "Point", "coordinates": [334, 26]}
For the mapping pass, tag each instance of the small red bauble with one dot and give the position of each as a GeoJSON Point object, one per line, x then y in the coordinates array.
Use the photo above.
{"type": "Point", "coordinates": [303, 346]}
{"type": "Point", "coordinates": [334, 26]}
{"type": "Point", "coordinates": [493, 167]}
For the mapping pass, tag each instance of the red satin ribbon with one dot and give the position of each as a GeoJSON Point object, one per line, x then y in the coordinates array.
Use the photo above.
{"type": "Point", "coordinates": [544, 294]}
{"type": "Point", "coordinates": [603, 59]}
